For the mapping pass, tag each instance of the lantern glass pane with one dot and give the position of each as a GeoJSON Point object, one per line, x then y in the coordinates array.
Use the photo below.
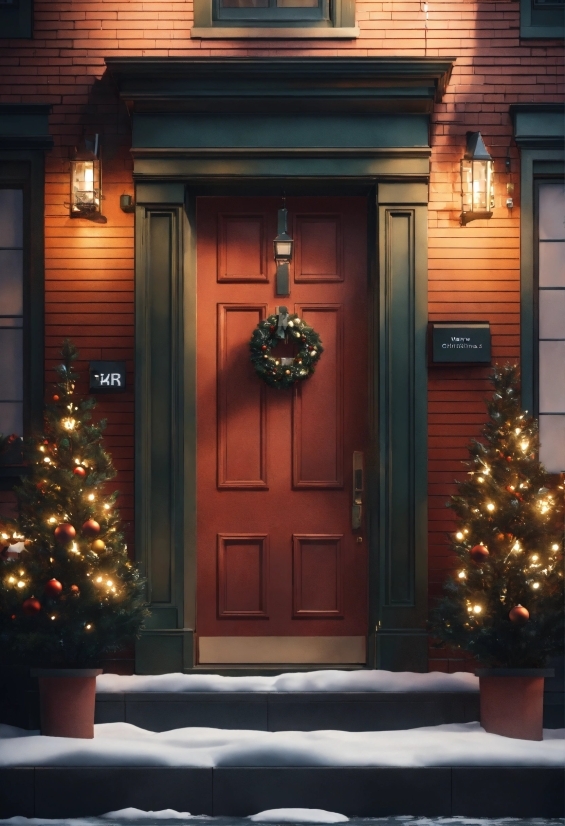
{"type": "Point", "coordinates": [467, 185]}
{"type": "Point", "coordinates": [86, 186]}
{"type": "Point", "coordinates": [480, 188]}
{"type": "Point", "coordinates": [283, 249]}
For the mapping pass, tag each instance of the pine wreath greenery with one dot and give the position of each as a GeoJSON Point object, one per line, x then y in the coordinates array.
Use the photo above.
{"type": "Point", "coordinates": [69, 595]}
{"type": "Point", "coordinates": [278, 372]}
{"type": "Point", "coordinates": [504, 602]}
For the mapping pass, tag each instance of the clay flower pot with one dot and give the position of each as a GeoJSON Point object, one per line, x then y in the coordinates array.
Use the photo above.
{"type": "Point", "coordinates": [66, 700]}
{"type": "Point", "coordinates": [512, 701]}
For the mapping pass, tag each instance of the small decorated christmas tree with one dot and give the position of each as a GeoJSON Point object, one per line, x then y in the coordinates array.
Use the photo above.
{"type": "Point", "coordinates": [68, 593]}
{"type": "Point", "coordinates": [504, 603]}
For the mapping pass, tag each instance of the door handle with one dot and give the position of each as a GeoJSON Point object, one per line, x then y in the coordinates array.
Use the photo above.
{"type": "Point", "coordinates": [358, 490]}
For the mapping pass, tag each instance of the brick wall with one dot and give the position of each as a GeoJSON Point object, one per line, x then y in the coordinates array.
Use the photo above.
{"type": "Point", "coordinates": [474, 271]}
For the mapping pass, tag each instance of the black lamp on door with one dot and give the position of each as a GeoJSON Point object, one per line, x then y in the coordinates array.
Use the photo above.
{"type": "Point", "coordinates": [283, 247]}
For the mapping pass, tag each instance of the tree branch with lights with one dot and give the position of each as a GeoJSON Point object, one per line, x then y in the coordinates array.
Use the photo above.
{"type": "Point", "coordinates": [504, 603]}
{"type": "Point", "coordinates": [69, 594]}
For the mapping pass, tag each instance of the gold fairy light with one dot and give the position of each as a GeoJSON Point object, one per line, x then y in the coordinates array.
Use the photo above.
{"type": "Point", "coordinates": [91, 497]}
{"type": "Point", "coordinates": [490, 506]}
{"type": "Point", "coordinates": [535, 585]}
{"type": "Point", "coordinates": [462, 575]}
{"type": "Point", "coordinates": [477, 609]}
{"type": "Point", "coordinates": [555, 547]}
{"type": "Point", "coordinates": [459, 535]}
{"type": "Point", "coordinates": [21, 584]}
{"type": "Point", "coordinates": [480, 479]}
{"type": "Point", "coordinates": [524, 445]}
{"type": "Point", "coordinates": [47, 460]}
{"type": "Point", "coordinates": [69, 424]}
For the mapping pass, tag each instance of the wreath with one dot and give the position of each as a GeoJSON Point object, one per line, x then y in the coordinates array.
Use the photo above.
{"type": "Point", "coordinates": [284, 372]}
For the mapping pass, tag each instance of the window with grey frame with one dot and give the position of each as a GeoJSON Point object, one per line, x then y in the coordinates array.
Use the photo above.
{"type": "Point", "coordinates": [550, 258]}
{"type": "Point", "coordinates": [12, 311]}
{"type": "Point", "coordinates": [542, 18]}
{"type": "Point", "coordinates": [267, 12]}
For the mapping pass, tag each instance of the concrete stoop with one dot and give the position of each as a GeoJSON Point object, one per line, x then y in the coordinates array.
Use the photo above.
{"type": "Point", "coordinates": [57, 792]}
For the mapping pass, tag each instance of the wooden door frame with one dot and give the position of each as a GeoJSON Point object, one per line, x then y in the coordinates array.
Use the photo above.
{"type": "Point", "coordinates": [380, 147]}
{"type": "Point", "coordinates": [166, 528]}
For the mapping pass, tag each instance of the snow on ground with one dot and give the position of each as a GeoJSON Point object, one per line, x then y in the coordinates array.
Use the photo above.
{"type": "Point", "coordinates": [122, 744]}
{"type": "Point", "coordinates": [328, 680]}
{"type": "Point", "coordinates": [298, 816]}
{"type": "Point", "coordinates": [169, 816]}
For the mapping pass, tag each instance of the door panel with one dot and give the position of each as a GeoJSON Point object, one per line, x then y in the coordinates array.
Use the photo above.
{"type": "Point", "coordinates": [276, 554]}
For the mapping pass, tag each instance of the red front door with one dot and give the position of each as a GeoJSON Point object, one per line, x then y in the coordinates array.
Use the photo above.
{"type": "Point", "coordinates": [282, 574]}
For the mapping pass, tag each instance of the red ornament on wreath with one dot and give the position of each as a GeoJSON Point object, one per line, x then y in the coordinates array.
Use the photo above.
{"type": "Point", "coordinates": [53, 588]}
{"type": "Point", "coordinates": [91, 527]}
{"type": "Point", "coordinates": [31, 606]}
{"type": "Point", "coordinates": [79, 471]}
{"type": "Point", "coordinates": [64, 533]}
{"type": "Point", "coordinates": [479, 553]}
{"type": "Point", "coordinates": [519, 614]}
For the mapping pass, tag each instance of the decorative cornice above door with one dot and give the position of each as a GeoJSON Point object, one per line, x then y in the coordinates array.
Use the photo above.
{"type": "Point", "coordinates": [360, 85]}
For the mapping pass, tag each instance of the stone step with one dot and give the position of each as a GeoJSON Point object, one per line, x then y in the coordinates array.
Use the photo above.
{"type": "Point", "coordinates": [296, 711]}
{"type": "Point", "coordinates": [483, 791]}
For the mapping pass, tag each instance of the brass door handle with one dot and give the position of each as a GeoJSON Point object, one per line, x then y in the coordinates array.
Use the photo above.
{"type": "Point", "coordinates": [358, 490]}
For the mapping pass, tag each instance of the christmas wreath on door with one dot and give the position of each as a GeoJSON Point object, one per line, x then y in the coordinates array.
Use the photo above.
{"type": "Point", "coordinates": [286, 371]}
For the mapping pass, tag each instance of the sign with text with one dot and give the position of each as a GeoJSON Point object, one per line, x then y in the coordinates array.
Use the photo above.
{"type": "Point", "coordinates": [460, 342]}
{"type": "Point", "coordinates": [107, 376]}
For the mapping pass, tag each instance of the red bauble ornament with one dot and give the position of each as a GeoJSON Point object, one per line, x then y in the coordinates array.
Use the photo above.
{"type": "Point", "coordinates": [55, 398]}
{"type": "Point", "coordinates": [79, 471]}
{"type": "Point", "coordinates": [53, 588]}
{"type": "Point", "coordinates": [479, 553]}
{"type": "Point", "coordinates": [31, 606]}
{"type": "Point", "coordinates": [519, 614]}
{"type": "Point", "coordinates": [65, 533]}
{"type": "Point", "coordinates": [75, 590]}
{"type": "Point", "coordinates": [509, 458]}
{"type": "Point", "coordinates": [91, 527]}
{"type": "Point", "coordinates": [500, 537]}
{"type": "Point", "coordinates": [263, 347]}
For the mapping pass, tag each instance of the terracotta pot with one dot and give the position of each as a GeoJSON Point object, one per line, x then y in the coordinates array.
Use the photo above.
{"type": "Point", "coordinates": [512, 701]}
{"type": "Point", "coordinates": [66, 699]}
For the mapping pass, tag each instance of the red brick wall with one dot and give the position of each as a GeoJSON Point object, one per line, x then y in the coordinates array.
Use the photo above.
{"type": "Point", "coordinates": [474, 271]}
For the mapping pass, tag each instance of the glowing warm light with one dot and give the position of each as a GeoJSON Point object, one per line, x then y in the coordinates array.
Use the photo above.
{"type": "Point", "coordinates": [51, 520]}
{"type": "Point", "coordinates": [107, 507]}
{"type": "Point", "coordinates": [481, 479]}
{"type": "Point", "coordinates": [77, 461]}
{"type": "Point", "coordinates": [11, 579]}
{"type": "Point", "coordinates": [98, 579]}
{"type": "Point", "coordinates": [555, 547]}
{"type": "Point", "coordinates": [74, 548]}
{"type": "Point", "coordinates": [88, 627]}
{"type": "Point", "coordinates": [524, 445]}
{"type": "Point", "coordinates": [5, 536]}
{"type": "Point", "coordinates": [462, 575]}
{"type": "Point", "coordinates": [91, 497]}
{"type": "Point", "coordinates": [68, 424]}
{"type": "Point", "coordinates": [486, 471]}
{"type": "Point", "coordinates": [535, 585]}
{"type": "Point", "coordinates": [459, 535]}
{"type": "Point", "coordinates": [42, 449]}
{"type": "Point", "coordinates": [47, 460]}
{"type": "Point", "coordinates": [21, 584]}
{"type": "Point", "coordinates": [518, 430]}
{"type": "Point", "coordinates": [490, 506]}
{"type": "Point", "coordinates": [516, 546]}
{"type": "Point", "coordinates": [535, 558]}
{"type": "Point", "coordinates": [53, 617]}
{"type": "Point", "coordinates": [477, 609]}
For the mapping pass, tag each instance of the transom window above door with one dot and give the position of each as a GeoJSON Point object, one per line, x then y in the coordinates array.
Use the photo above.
{"type": "Point", "coordinates": [274, 19]}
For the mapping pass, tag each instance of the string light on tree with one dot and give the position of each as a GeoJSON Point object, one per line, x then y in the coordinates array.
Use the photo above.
{"type": "Point", "coordinates": [504, 602]}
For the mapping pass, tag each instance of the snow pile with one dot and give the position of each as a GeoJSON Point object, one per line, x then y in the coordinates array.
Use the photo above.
{"type": "Point", "coordinates": [298, 816]}
{"type": "Point", "coordinates": [312, 681]}
{"type": "Point", "coordinates": [122, 744]}
{"type": "Point", "coordinates": [137, 814]}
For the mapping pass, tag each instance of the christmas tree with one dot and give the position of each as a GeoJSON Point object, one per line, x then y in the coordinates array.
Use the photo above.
{"type": "Point", "coordinates": [504, 603]}
{"type": "Point", "coordinates": [68, 593]}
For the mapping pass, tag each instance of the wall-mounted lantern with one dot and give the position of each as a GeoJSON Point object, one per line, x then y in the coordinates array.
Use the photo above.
{"type": "Point", "coordinates": [477, 180]}
{"type": "Point", "coordinates": [283, 246]}
{"type": "Point", "coordinates": [86, 182]}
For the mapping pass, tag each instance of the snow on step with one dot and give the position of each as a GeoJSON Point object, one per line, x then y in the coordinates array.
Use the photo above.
{"type": "Point", "coordinates": [298, 816]}
{"type": "Point", "coordinates": [312, 681]}
{"type": "Point", "coordinates": [122, 744]}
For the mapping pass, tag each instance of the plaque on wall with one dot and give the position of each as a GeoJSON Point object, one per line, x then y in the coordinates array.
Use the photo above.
{"type": "Point", "coordinates": [107, 376]}
{"type": "Point", "coordinates": [460, 342]}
